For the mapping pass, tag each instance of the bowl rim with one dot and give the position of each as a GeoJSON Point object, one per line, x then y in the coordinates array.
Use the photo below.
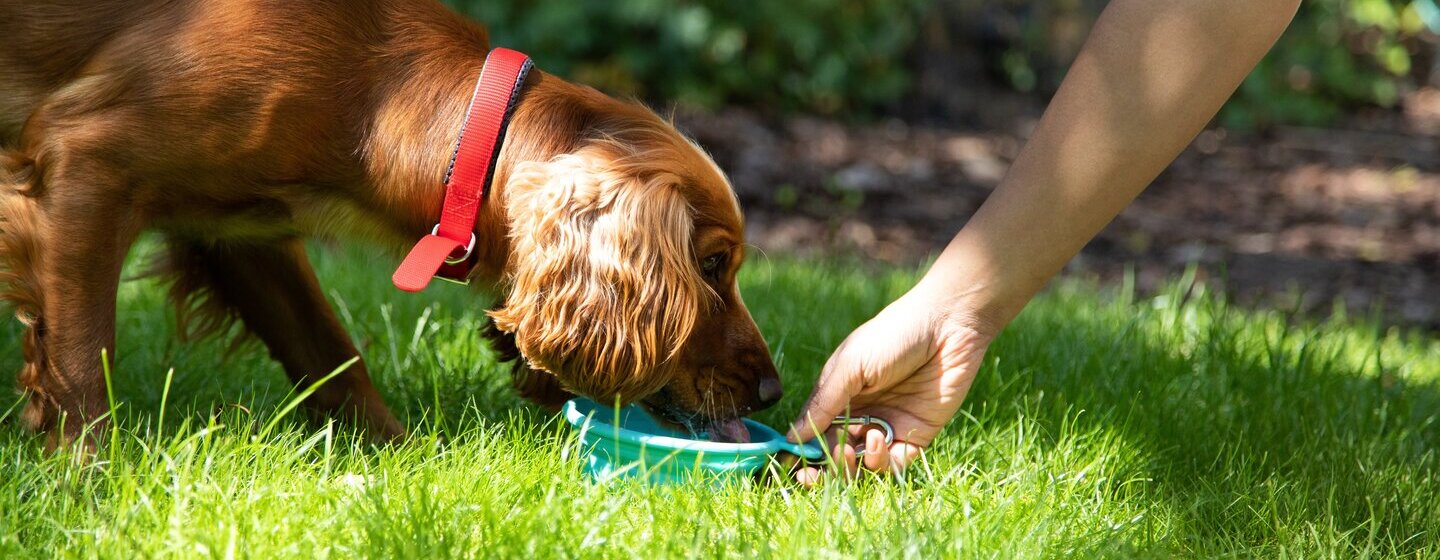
{"type": "Point", "coordinates": [582, 421]}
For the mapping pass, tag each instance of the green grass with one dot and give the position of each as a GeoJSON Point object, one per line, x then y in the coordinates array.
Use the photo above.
{"type": "Point", "coordinates": [1101, 425]}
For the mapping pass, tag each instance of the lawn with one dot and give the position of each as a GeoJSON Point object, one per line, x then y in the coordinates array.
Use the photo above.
{"type": "Point", "coordinates": [1103, 424]}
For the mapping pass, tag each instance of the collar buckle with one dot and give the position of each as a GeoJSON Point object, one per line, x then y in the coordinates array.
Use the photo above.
{"type": "Point", "coordinates": [465, 256]}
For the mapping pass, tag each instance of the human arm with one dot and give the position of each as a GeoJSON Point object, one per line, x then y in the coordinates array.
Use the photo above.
{"type": "Point", "coordinates": [1150, 76]}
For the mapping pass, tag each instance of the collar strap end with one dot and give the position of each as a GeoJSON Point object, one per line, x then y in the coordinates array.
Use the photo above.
{"type": "Point", "coordinates": [429, 259]}
{"type": "Point", "coordinates": [443, 253]}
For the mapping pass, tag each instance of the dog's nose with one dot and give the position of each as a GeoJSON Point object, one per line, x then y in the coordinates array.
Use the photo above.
{"type": "Point", "coordinates": [770, 392]}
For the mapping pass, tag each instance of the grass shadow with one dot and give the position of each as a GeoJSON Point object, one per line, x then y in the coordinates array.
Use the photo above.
{"type": "Point", "coordinates": [1208, 428]}
{"type": "Point", "coordinates": [1245, 423]}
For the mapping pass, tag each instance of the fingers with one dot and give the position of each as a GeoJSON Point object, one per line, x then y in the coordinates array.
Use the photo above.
{"type": "Point", "coordinates": [902, 454]}
{"type": "Point", "coordinates": [841, 459]}
{"type": "Point", "coordinates": [843, 463]}
{"type": "Point", "coordinates": [810, 476]}
{"type": "Point", "coordinates": [838, 383]}
{"type": "Point", "coordinates": [879, 459]}
{"type": "Point", "coordinates": [877, 453]}
{"type": "Point", "coordinates": [845, 459]}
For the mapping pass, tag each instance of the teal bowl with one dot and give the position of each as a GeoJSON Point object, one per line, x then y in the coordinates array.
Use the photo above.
{"type": "Point", "coordinates": [629, 443]}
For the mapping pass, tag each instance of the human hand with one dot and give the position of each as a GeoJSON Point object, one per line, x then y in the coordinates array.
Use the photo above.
{"type": "Point", "coordinates": [911, 365]}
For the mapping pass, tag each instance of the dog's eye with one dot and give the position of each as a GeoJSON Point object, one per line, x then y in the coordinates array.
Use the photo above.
{"type": "Point", "coordinates": [711, 265]}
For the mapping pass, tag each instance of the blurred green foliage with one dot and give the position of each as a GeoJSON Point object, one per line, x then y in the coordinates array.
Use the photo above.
{"type": "Point", "coordinates": [1335, 56]}
{"type": "Point", "coordinates": [1339, 54]}
{"type": "Point", "coordinates": [812, 55]}
{"type": "Point", "coordinates": [834, 56]}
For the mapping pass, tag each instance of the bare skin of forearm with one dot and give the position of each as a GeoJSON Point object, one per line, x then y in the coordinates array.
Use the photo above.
{"type": "Point", "coordinates": [1150, 76]}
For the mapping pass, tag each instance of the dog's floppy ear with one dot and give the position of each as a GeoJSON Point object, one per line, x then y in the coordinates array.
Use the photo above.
{"type": "Point", "coordinates": [604, 288]}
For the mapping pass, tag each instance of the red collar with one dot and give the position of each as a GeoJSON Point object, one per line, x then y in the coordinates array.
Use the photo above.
{"type": "Point", "coordinates": [449, 251]}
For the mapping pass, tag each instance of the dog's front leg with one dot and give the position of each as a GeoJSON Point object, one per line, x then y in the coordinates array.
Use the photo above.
{"type": "Point", "coordinates": [79, 229]}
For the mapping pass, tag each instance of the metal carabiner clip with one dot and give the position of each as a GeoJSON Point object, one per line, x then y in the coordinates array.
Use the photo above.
{"type": "Point", "coordinates": [867, 421]}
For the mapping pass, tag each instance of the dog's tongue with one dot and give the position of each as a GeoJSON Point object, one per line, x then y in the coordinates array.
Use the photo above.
{"type": "Point", "coordinates": [730, 431]}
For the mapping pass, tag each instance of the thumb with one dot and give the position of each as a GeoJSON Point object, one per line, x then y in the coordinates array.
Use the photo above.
{"type": "Point", "coordinates": [838, 383]}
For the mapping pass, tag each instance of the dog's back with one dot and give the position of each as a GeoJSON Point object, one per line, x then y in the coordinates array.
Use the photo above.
{"type": "Point", "coordinates": [252, 75]}
{"type": "Point", "coordinates": [44, 44]}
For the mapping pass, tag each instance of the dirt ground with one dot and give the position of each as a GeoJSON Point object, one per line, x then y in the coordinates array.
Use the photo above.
{"type": "Point", "coordinates": [1294, 218]}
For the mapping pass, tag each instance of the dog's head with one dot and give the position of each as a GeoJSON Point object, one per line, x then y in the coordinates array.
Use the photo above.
{"type": "Point", "coordinates": [624, 252]}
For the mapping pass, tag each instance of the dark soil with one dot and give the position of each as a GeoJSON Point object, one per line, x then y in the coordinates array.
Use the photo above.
{"type": "Point", "coordinates": [1296, 218]}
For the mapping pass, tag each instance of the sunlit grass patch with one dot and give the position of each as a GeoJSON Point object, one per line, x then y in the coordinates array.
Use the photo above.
{"type": "Point", "coordinates": [1103, 424]}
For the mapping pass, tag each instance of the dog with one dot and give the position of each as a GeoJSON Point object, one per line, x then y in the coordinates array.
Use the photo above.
{"type": "Point", "coordinates": [238, 128]}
